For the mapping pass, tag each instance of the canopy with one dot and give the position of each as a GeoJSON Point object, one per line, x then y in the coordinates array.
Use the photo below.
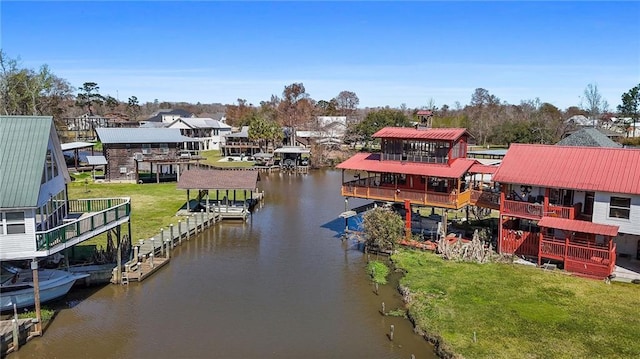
{"type": "Point", "coordinates": [578, 226]}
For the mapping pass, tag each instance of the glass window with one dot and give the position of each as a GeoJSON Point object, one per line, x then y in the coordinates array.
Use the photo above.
{"type": "Point", "coordinates": [13, 223]}
{"type": "Point", "coordinates": [620, 207]}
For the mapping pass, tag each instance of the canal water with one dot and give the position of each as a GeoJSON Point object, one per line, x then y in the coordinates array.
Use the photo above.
{"type": "Point", "coordinates": [281, 285]}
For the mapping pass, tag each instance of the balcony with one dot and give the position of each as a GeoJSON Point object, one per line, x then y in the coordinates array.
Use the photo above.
{"type": "Point", "coordinates": [485, 199]}
{"type": "Point", "coordinates": [523, 209]}
{"type": "Point", "coordinates": [536, 210]}
{"type": "Point", "coordinates": [87, 218]}
{"type": "Point", "coordinates": [359, 189]}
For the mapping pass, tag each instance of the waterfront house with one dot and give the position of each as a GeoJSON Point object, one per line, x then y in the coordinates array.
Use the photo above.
{"type": "Point", "coordinates": [37, 219]}
{"type": "Point", "coordinates": [239, 144]}
{"type": "Point", "coordinates": [146, 154]}
{"type": "Point", "coordinates": [576, 206]}
{"type": "Point", "coordinates": [422, 166]}
{"type": "Point", "coordinates": [209, 133]}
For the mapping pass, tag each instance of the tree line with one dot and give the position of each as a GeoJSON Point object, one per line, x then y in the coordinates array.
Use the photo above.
{"type": "Point", "coordinates": [490, 120]}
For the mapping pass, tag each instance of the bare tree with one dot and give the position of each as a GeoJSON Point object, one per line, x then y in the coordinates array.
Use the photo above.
{"type": "Point", "coordinates": [593, 103]}
{"type": "Point", "coordinates": [347, 102]}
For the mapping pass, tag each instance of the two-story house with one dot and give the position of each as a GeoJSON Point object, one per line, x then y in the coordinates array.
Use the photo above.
{"type": "Point", "coordinates": [37, 219]}
{"type": "Point", "coordinates": [576, 206]}
{"type": "Point", "coordinates": [210, 133]}
{"type": "Point", "coordinates": [421, 166]}
{"type": "Point", "coordinates": [146, 154]}
{"type": "Point", "coordinates": [239, 143]}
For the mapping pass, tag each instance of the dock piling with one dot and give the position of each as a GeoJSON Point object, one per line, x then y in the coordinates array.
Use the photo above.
{"type": "Point", "coordinates": [171, 232]}
{"type": "Point", "coordinates": [391, 332]}
{"type": "Point", "coordinates": [188, 228]}
{"type": "Point", "coordinates": [180, 231]}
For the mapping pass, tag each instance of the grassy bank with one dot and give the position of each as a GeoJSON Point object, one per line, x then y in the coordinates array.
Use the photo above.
{"type": "Point", "coordinates": [213, 158]}
{"type": "Point", "coordinates": [518, 311]}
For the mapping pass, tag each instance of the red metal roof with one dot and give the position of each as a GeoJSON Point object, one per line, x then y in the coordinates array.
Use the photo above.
{"type": "Point", "coordinates": [445, 134]}
{"type": "Point", "coordinates": [424, 112]}
{"type": "Point", "coordinates": [615, 170]}
{"type": "Point", "coordinates": [578, 226]}
{"type": "Point", "coordinates": [480, 168]}
{"type": "Point", "coordinates": [371, 162]}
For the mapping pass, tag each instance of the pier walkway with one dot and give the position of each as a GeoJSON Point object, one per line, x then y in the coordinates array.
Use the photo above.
{"type": "Point", "coordinates": [153, 253]}
{"type": "Point", "coordinates": [10, 331]}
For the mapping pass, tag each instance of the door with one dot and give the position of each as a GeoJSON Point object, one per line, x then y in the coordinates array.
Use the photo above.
{"type": "Point", "coordinates": [588, 203]}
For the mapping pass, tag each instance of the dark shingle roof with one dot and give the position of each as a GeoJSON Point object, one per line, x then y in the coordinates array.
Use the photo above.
{"type": "Point", "coordinates": [157, 116]}
{"type": "Point", "coordinates": [588, 137]}
{"type": "Point", "coordinates": [218, 179]}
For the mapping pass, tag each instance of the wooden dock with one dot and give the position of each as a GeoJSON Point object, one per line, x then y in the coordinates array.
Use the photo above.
{"type": "Point", "coordinates": [152, 254]}
{"type": "Point", "coordinates": [7, 334]}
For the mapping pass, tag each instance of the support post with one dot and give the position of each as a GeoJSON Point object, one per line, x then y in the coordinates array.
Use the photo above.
{"type": "Point", "coordinates": [153, 249]}
{"type": "Point", "coordinates": [118, 255]}
{"type": "Point", "coordinates": [161, 242]}
{"type": "Point", "coordinates": [171, 232]}
{"type": "Point", "coordinates": [188, 229]}
{"type": "Point", "coordinates": [36, 296]}
{"type": "Point", "coordinates": [168, 249]}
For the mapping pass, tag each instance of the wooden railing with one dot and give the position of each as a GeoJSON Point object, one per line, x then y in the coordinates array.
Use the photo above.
{"type": "Point", "coordinates": [565, 212]}
{"type": "Point", "coordinates": [519, 242]}
{"type": "Point", "coordinates": [487, 199]}
{"type": "Point", "coordinates": [359, 189]}
{"type": "Point", "coordinates": [101, 212]}
{"type": "Point", "coordinates": [585, 258]}
{"type": "Point", "coordinates": [523, 209]}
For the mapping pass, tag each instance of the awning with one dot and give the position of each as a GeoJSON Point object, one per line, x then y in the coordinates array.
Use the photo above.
{"type": "Point", "coordinates": [75, 145]}
{"type": "Point", "coordinates": [96, 160]}
{"type": "Point", "coordinates": [578, 226]}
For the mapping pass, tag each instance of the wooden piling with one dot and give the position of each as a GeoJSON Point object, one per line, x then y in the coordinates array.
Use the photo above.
{"type": "Point", "coordinates": [391, 332]}
{"type": "Point", "coordinates": [171, 232]}
{"type": "Point", "coordinates": [180, 231]}
{"type": "Point", "coordinates": [383, 309]}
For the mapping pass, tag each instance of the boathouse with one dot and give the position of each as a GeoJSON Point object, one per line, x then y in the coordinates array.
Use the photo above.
{"type": "Point", "coordinates": [575, 206]}
{"type": "Point", "coordinates": [232, 193]}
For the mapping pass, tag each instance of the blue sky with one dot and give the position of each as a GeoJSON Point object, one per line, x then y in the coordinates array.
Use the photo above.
{"type": "Point", "coordinates": [388, 53]}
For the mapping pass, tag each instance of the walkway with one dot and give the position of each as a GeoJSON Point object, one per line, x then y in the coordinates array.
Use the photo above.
{"type": "Point", "coordinates": [153, 253]}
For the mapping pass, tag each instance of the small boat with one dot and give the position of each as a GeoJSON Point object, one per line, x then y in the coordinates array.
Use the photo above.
{"type": "Point", "coordinates": [17, 286]}
{"type": "Point", "coordinates": [98, 274]}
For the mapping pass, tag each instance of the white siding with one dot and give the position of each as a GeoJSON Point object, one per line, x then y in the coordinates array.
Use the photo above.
{"type": "Point", "coordinates": [20, 246]}
{"type": "Point", "coordinates": [601, 213]}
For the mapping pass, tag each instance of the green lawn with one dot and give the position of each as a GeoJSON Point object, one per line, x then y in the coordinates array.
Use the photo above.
{"type": "Point", "coordinates": [153, 206]}
{"type": "Point", "coordinates": [519, 311]}
{"type": "Point", "coordinates": [213, 158]}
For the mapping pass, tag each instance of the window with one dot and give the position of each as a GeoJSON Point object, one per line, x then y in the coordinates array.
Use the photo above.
{"type": "Point", "coordinates": [619, 207]}
{"type": "Point", "coordinates": [12, 223]}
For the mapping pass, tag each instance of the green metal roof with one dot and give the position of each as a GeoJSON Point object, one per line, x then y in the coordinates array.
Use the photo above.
{"type": "Point", "coordinates": [23, 149]}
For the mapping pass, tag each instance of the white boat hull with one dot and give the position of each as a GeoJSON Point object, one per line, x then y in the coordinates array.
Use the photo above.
{"type": "Point", "coordinates": [54, 284]}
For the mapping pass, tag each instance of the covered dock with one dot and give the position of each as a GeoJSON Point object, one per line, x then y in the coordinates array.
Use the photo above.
{"type": "Point", "coordinates": [231, 194]}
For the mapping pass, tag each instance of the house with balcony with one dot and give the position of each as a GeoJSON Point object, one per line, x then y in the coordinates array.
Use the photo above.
{"type": "Point", "coordinates": [37, 218]}
{"type": "Point", "coordinates": [210, 133]}
{"type": "Point", "coordinates": [239, 144]}
{"type": "Point", "coordinates": [146, 154]}
{"type": "Point", "coordinates": [578, 207]}
{"type": "Point", "coordinates": [419, 166]}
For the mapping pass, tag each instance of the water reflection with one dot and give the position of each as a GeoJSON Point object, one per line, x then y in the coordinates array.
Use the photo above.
{"type": "Point", "coordinates": [281, 285]}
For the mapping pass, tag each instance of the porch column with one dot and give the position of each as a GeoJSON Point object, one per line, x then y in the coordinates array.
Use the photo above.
{"type": "Point", "coordinates": [407, 207]}
{"type": "Point", "coordinates": [36, 296]}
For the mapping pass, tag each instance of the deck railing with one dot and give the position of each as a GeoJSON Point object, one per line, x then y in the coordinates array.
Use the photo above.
{"type": "Point", "coordinates": [586, 258]}
{"type": "Point", "coordinates": [359, 189]}
{"type": "Point", "coordinates": [519, 242]}
{"type": "Point", "coordinates": [523, 209]}
{"type": "Point", "coordinates": [98, 214]}
{"type": "Point", "coordinates": [488, 199]}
